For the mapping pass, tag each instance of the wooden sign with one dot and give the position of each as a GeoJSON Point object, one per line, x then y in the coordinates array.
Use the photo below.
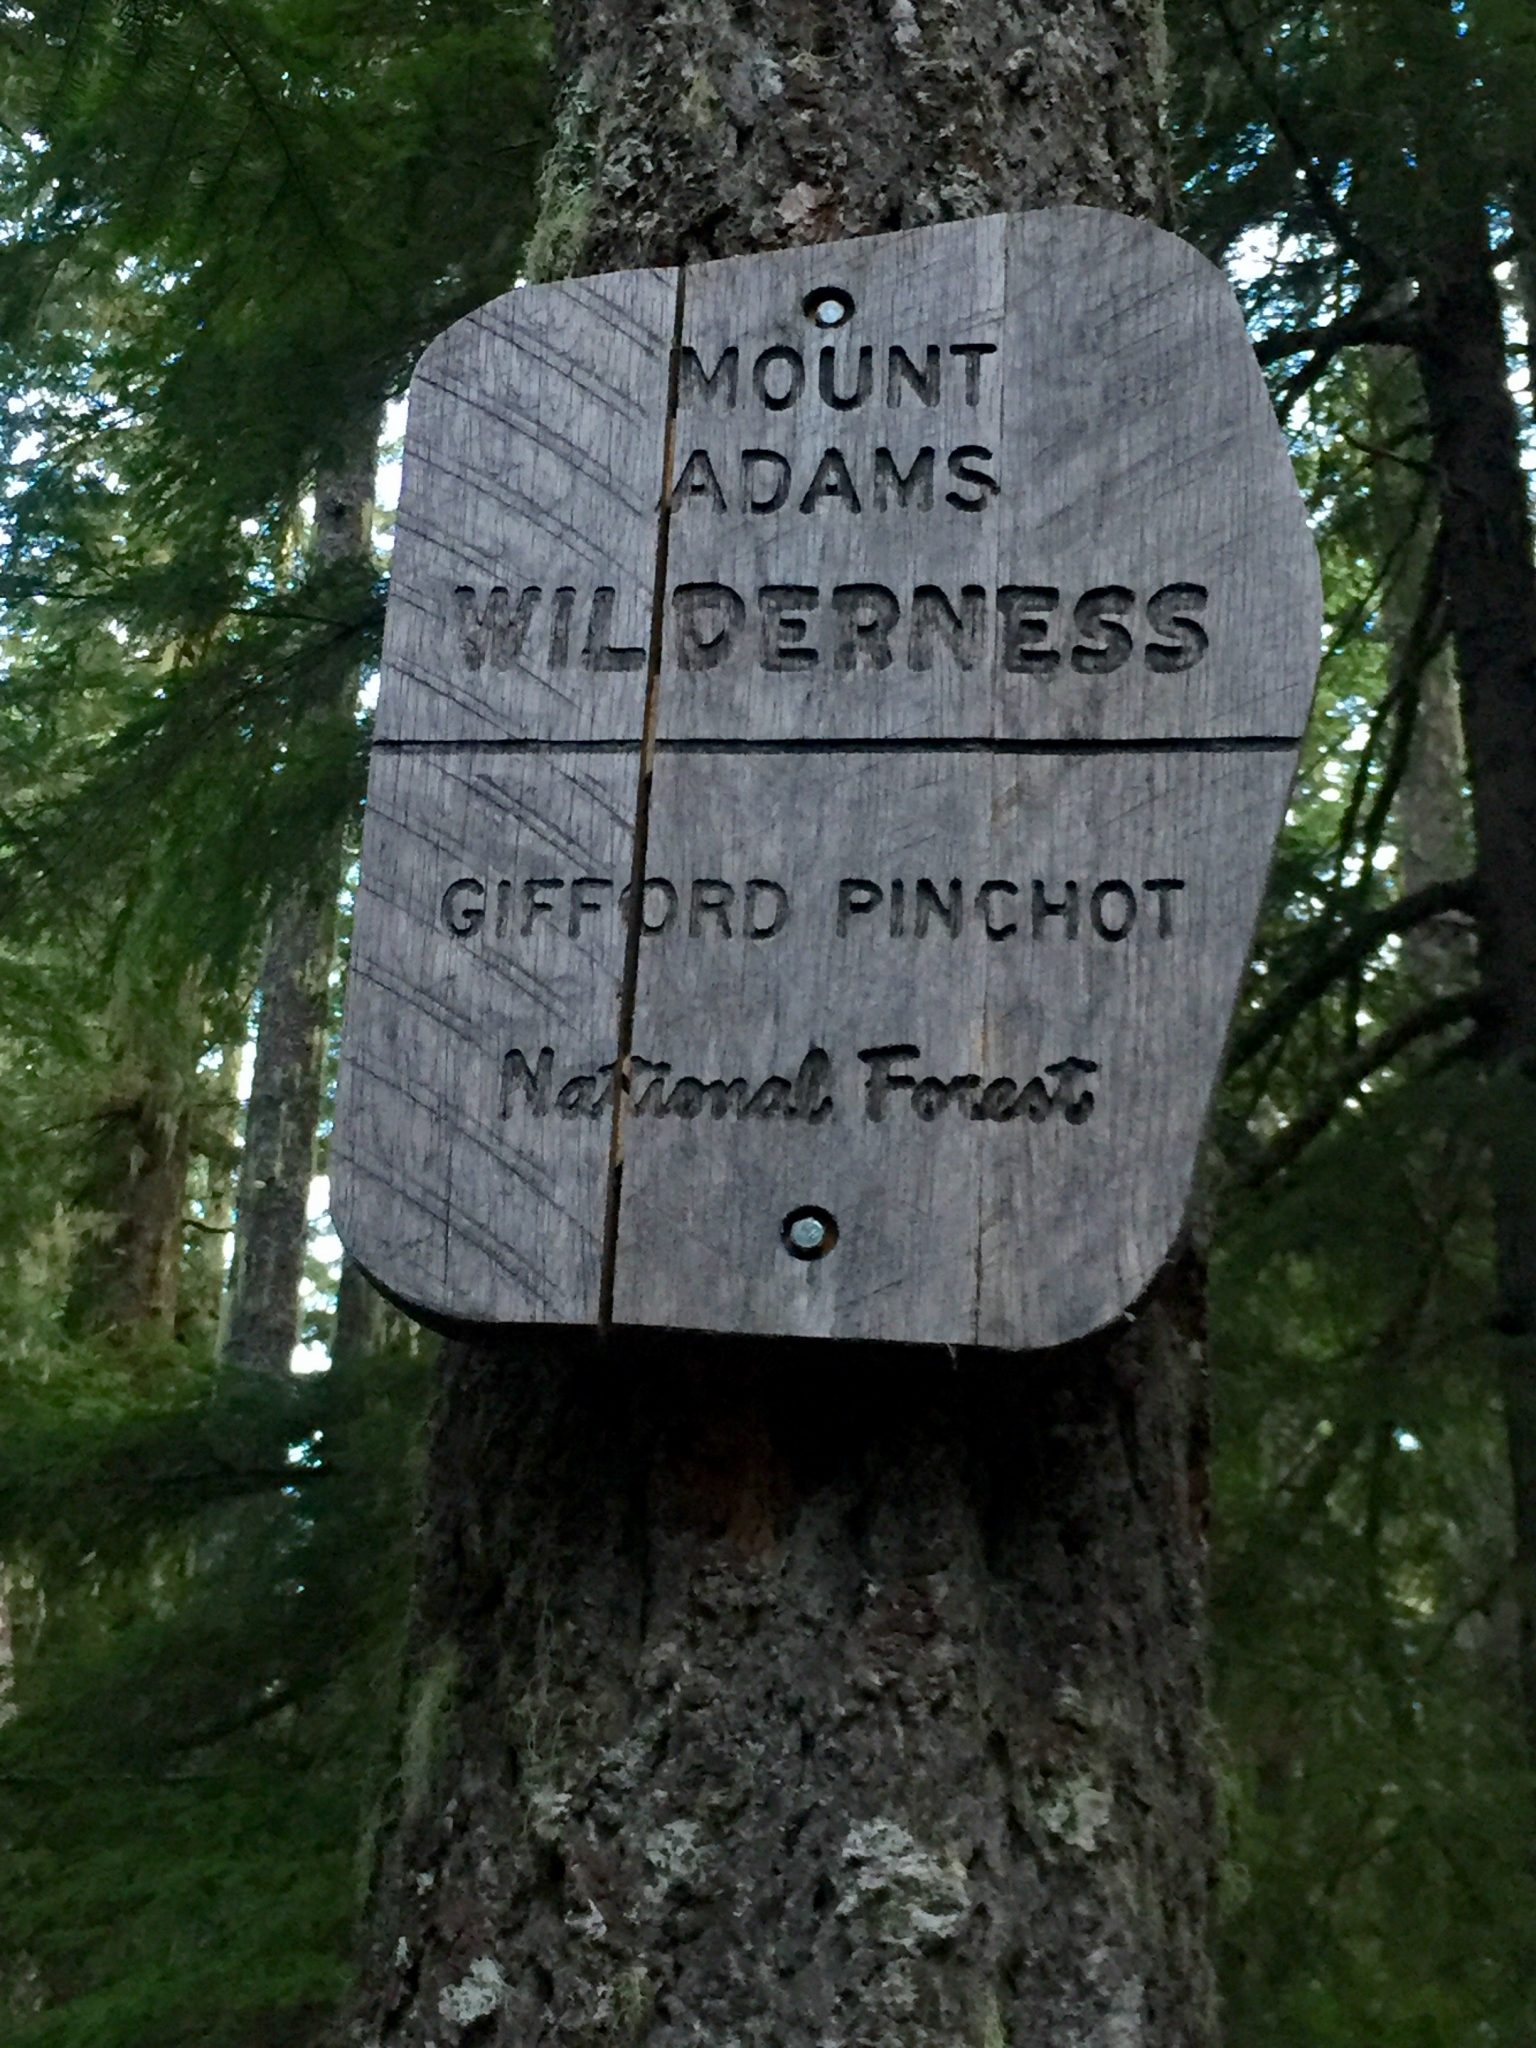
{"type": "Point", "coordinates": [837, 709]}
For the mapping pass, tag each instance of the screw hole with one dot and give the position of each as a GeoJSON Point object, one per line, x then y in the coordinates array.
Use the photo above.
{"type": "Point", "coordinates": [828, 307]}
{"type": "Point", "coordinates": [808, 1233]}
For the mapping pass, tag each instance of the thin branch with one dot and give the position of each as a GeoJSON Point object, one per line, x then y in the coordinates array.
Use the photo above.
{"type": "Point", "coordinates": [330, 232]}
{"type": "Point", "coordinates": [1412, 462]}
{"type": "Point", "coordinates": [1343, 634]}
{"type": "Point", "coordinates": [1419, 647]}
{"type": "Point", "coordinates": [1435, 899]}
{"type": "Point", "coordinates": [1329, 211]}
{"type": "Point", "coordinates": [1401, 329]}
{"type": "Point", "coordinates": [1426, 641]}
{"type": "Point", "coordinates": [1311, 372]}
{"type": "Point", "coordinates": [241, 1719]}
{"type": "Point", "coordinates": [1480, 1602]}
{"type": "Point", "coordinates": [1378, 1052]}
{"type": "Point", "coordinates": [1360, 783]}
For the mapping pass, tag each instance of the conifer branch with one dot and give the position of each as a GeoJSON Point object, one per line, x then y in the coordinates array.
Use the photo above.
{"type": "Point", "coordinates": [330, 232]}
{"type": "Point", "coordinates": [1285, 1149]}
{"type": "Point", "coordinates": [1403, 328]}
{"type": "Point", "coordinates": [1328, 209]}
{"type": "Point", "coordinates": [1435, 899]}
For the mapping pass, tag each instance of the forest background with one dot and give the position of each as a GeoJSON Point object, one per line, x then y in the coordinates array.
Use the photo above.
{"type": "Point", "coordinates": [227, 229]}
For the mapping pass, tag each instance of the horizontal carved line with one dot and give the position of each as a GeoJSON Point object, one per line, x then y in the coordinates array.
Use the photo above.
{"type": "Point", "coordinates": [1246, 743]}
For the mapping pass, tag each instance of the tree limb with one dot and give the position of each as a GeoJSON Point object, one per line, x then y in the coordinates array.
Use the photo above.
{"type": "Point", "coordinates": [1401, 329]}
{"type": "Point", "coordinates": [1327, 207]}
{"type": "Point", "coordinates": [1368, 1059]}
{"type": "Point", "coordinates": [1435, 899]}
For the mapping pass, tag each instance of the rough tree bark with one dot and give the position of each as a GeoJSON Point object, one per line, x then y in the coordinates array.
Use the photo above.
{"type": "Point", "coordinates": [783, 1693]}
{"type": "Point", "coordinates": [365, 1321]}
{"type": "Point", "coordinates": [215, 1149]}
{"type": "Point", "coordinates": [1430, 824]}
{"type": "Point", "coordinates": [277, 1163]}
{"type": "Point", "coordinates": [127, 1273]}
{"type": "Point", "coordinates": [1491, 584]}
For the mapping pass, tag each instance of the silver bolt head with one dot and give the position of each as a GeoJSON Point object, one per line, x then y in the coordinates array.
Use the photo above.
{"type": "Point", "coordinates": [807, 1233]}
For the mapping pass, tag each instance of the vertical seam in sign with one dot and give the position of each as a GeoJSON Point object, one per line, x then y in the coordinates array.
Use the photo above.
{"type": "Point", "coordinates": [985, 1190]}
{"type": "Point", "coordinates": [632, 927]}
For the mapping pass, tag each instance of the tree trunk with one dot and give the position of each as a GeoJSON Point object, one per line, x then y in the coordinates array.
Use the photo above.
{"type": "Point", "coordinates": [785, 1693]}
{"type": "Point", "coordinates": [1430, 826]}
{"type": "Point", "coordinates": [1429, 822]}
{"type": "Point", "coordinates": [127, 1275]}
{"type": "Point", "coordinates": [287, 1083]}
{"type": "Point", "coordinates": [362, 1318]}
{"type": "Point", "coordinates": [211, 1188]}
{"type": "Point", "coordinates": [278, 1161]}
{"type": "Point", "coordinates": [1491, 584]}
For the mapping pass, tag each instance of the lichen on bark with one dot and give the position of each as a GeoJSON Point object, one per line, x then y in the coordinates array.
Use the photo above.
{"type": "Point", "coordinates": [697, 128]}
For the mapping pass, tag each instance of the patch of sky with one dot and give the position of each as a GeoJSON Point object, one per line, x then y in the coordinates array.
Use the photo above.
{"type": "Point", "coordinates": [325, 1251]}
{"type": "Point", "coordinates": [1517, 336]}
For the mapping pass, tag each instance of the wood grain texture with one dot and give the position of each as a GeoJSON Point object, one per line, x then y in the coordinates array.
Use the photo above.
{"type": "Point", "coordinates": [888, 456]}
{"type": "Point", "coordinates": [455, 1207]}
{"type": "Point", "coordinates": [533, 462]}
{"type": "Point", "coordinates": [985, 646]}
{"type": "Point", "coordinates": [1131, 439]}
{"type": "Point", "coordinates": [952, 1227]}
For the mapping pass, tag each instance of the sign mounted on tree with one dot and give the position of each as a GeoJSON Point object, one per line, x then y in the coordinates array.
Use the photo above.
{"type": "Point", "coordinates": [837, 709]}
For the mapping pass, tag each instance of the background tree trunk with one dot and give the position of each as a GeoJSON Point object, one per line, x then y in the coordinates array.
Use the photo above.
{"type": "Point", "coordinates": [215, 1149]}
{"type": "Point", "coordinates": [293, 1022]}
{"type": "Point", "coordinates": [128, 1270]}
{"type": "Point", "coordinates": [363, 1318]}
{"type": "Point", "coordinates": [786, 1693]}
{"type": "Point", "coordinates": [127, 1274]}
{"type": "Point", "coordinates": [1491, 588]}
{"type": "Point", "coordinates": [1430, 826]}
{"type": "Point", "coordinates": [1429, 821]}
{"type": "Point", "coordinates": [277, 1163]}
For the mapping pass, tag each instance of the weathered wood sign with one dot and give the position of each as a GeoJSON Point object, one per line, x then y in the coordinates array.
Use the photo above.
{"type": "Point", "coordinates": [837, 708]}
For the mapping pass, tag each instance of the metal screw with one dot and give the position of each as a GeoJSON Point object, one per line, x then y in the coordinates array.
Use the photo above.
{"type": "Point", "coordinates": [829, 307]}
{"type": "Point", "coordinates": [808, 1233]}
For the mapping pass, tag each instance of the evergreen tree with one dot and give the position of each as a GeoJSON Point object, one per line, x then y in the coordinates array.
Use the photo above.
{"type": "Point", "coordinates": [1384, 1073]}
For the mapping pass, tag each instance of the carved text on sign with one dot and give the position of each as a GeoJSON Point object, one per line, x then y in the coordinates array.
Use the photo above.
{"type": "Point", "coordinates": [778, 376]}
{"type": "Point", "coordinates": [810, 1096]}
{"type": "Point", "coordinates": [836, 707]}
{"type": "Point", "coordinates": [1020, 628]}
{"type": "Point", "coordinates": [709, 905]}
